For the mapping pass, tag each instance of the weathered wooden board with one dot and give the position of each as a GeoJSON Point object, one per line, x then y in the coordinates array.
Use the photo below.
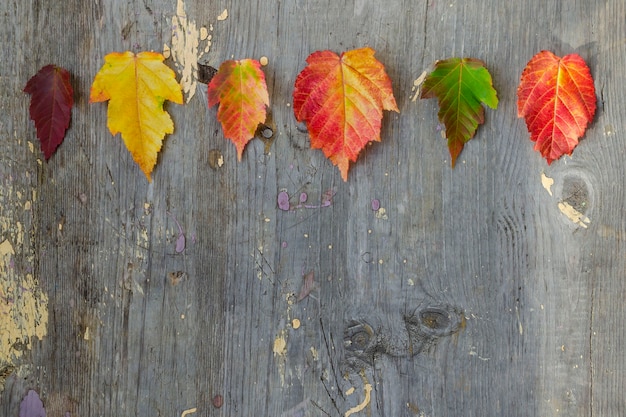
{"type": "Point", "coordinates": [496, 288]}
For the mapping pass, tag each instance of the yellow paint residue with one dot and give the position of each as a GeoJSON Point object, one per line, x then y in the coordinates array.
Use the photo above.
{"type": "Point", "coordinates": [204, 33]}
{"type": "Point", "coordinates": [189, 411]}
{"type": "Point", "coordinates": [280, 345]}
{"type": "Point", "coordinates": [23, 309]}
{"type": "Point", "coordinates": [417, 85]}
{"type": "Point", "coordinates": [574, 215]}
{"type": "Point", "coordinates": [364, 403]}
{"type": "Point", "coordinates": [223, 15]}
{"type": "Point", "coordinates": [5, 249]}
{"type": "Point", "coordinates": [184, 49]}
{"type": "Point", "coordinates": [295, 323]}
{"type": "Point", "coordinates": [381, 214]}
{"type": "Point", "coordinates": [547, 183]}
{"type": "Point", "coordinates": [23, 305]}
{"type": "Point", "coordinates": [280, 352]}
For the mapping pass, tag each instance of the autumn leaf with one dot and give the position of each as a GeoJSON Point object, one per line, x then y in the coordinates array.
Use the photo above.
{"type": "Point", "coordinates": [137, 86]}
{"type": "Point", "coordinates": [460, 85]}
{"type": "Point", "coordinates": [341, 99]}
{"type": "Point", "coordinates": [557, 98]}
{"type": "Point", "coordinates": [50, 106]}
{"type": "Point", "coordinates": [239, 88]}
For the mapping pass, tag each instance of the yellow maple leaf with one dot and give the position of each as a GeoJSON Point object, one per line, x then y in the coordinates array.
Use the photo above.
{"type": "Point", "coordinates": [137, 85]}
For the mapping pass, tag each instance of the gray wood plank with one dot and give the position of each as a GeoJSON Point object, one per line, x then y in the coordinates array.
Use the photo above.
{"type": "Point", "coordinates": [474, 291]}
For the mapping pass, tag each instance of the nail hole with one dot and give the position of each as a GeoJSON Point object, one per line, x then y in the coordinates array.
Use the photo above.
{"type": "Point", "coordinates": [266, 132]}
{"type": "Point", "coordinates": [216, 159]}
{"type": "Point", "coordinates": [206, 73]}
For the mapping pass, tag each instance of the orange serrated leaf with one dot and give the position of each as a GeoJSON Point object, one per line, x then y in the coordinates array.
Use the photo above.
{"type": "Point", "coordinates": [341, 99]}
{"type": "Point", "coordinates": [137, 86]}
{"type": "Point", "coordinates": [50, 106]}
{"type": "Point", "coordinates": [239, 88]}
{"type": "Point", "coordinates": [557, 98]}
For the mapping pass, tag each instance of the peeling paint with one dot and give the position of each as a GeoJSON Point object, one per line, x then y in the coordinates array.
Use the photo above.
{"type": "Point", "coordinates": [23, 304]}
{"type": "Point", "coordinates": [280, 351]}
{"type": "Point", "coordinates": [23, 308]}
{"type": "Point", "coordinates": [417, 86]}
{"type": "Point", "coordinates": [186, 38]}
{"type": "Point", "coordinates": [189, 411]}
{"type": "Point", "coordinates": [223, 15]}
{"type": "Point", "coordinates": [547, 183]}
{"type": "Point", "coordinates": [280, 344]}
{"type": "Point", "coordinates": [363, 404]}
{"type": "Point", "coordinates": [574, 215]}
{"type": "Point", "coordinates": [381, 214]}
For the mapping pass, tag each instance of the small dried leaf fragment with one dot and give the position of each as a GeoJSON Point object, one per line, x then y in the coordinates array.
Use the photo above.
{"type": "Point", "coordinates": [50, 106]}
{"type": "Point", "coordinates": [136, 87]}
{"type": "Point", "coordinates": [557, 98]}
{"type": "Point", "coordinates": [341, 98]}
{"type": "Point", "coordinates": [239, 88]}
{"type": "Point", "coordinates": [308, 285]}
{"type": "Point", "coordinates": [460, 86]}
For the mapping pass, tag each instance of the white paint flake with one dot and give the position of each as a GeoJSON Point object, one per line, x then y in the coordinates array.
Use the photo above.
{"type": "Point", "coordinates": [574, 215]}
{"type": "Point", "coordinates": [547, 183]}
{"type": "Point", "coordinates": [223, 15]}
{"type": "Point", "coordinates": [186, 38]}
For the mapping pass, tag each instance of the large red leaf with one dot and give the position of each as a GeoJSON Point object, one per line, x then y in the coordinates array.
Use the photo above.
{"type": "Point", "coordinates": [50, 106]}
{"type": "Point", "coordinates": [239, 88]}
{"type": "Point", "coordinates": [341, 99]}
{"type": "Point", "coordinates": [557, 98]}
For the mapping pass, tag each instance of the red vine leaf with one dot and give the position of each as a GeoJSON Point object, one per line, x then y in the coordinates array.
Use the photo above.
{"type": "Point", "coordinates": [50, 106]}
{"type": "Point", "coordinates": [341, 98]}
{"type": "Point", "coordinates": [557, 98]}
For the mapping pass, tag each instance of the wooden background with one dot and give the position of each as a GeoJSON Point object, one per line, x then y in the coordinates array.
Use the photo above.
{"type": "Point", "coordinates": [470, 292]}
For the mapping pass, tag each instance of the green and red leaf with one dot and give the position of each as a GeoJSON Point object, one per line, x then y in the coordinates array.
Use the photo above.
{"type": "Point", "coordinates": [50, 106]}
{"type": "Point", "coordinates": [341, 99]}
{"type": "Point", "coordinates": [239, 88]}
{"type": "Point", "coordinates": [557, 98]}
{"type": "Point", "coordinates": [460, 85]}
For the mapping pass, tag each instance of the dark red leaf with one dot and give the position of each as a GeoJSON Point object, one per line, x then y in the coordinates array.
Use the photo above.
{"type": "Point", "coordinates": [50, 106]}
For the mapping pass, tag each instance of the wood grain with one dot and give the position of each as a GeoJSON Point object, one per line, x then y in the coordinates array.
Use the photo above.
{"type": "Point", "coordinates": [534, 299]}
